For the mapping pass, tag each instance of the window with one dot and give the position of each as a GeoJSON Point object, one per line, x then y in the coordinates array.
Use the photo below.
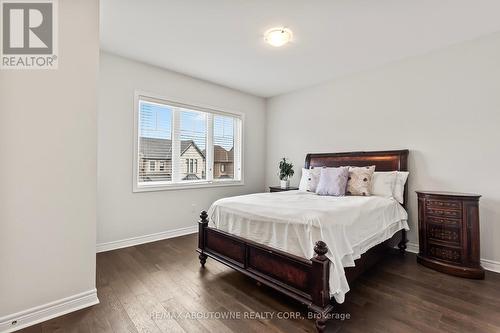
{"type": "Point", "coordinates": [224, 146]}
{"type": "Point", "coordinates": [154, 142]}
{"type": "Point", "coordinates": [179, 145]}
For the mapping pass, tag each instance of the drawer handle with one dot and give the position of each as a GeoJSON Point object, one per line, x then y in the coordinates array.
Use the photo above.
{"type": "Point", "coordinates": [434, 219]}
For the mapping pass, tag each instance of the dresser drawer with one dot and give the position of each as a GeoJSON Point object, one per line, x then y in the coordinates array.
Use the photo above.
{"type": "Point", "coordinates": [457, 214]}
{"type": "Point", "coordinates": [444, 233]}
{"type": "Point", "coordinates": [451, 204]}
{"type": "Point", "coordinates": [444, 253]}
{"type": "Point", "coordinates": [444, 221]}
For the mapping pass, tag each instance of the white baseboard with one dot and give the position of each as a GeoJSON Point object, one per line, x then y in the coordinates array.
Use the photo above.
{"type": "Point", "coordinates": [145, 239]}
{"type": "Point", "coordinates": [412, 247]}
{"type": "Point", "coordinates": [48, 311]}
{"type": "Point", "coordinates": [489, 265]}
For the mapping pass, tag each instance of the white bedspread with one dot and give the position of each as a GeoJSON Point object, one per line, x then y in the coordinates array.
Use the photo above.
{"type": "Point", "coordinates": [293, 221]}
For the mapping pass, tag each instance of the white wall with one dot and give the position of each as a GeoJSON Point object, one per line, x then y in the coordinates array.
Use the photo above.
{"type": "Point", "coordinates": [444, 107]}
{"type": "Point", "coordinates": [48, 150]}
{"type": "Point", "coordinates": [123, 214]}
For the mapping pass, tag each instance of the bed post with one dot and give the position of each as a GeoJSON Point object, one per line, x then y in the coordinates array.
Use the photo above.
{"type": "Point", "coordinates": [320, 290]}
{"type": "Point", "coordinates": [202, 225]}
{"type": "Point", "coordinates": [402, 243]}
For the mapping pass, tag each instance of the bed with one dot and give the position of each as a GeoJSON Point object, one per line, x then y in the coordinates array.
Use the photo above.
{"type": "Point", "coordinates": [280, 239]}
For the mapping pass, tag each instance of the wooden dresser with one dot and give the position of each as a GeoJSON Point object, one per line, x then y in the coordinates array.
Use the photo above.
{"type": "Point", "coordinates": [448, 230]}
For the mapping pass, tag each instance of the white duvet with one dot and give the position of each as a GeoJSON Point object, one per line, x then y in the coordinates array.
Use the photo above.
{"type": "Point", "coordinates": [293, 221]}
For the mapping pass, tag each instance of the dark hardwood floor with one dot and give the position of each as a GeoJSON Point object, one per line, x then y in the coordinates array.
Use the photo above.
{"type": "Point", "coordinates": [139, 286]}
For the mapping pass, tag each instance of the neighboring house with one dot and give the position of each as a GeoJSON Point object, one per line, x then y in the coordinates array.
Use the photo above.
{"type": "Point", "coordinates": [155, 163]}
{"type": "Point", "coordinates": [223, 163]}
{"type": "Point", "coordinates": [192, 161]}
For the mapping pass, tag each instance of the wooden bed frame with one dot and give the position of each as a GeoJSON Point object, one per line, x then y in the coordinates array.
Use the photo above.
{"type": "Point", "coordinates": [303, 280]}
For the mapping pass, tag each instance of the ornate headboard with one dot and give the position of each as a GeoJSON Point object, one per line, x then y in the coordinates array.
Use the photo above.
{"type": "Point", "coordinates": [389, 160]}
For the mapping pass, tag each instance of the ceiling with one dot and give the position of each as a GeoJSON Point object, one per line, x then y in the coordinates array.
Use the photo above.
{"type": "Point", "coordinates": [221, 40]}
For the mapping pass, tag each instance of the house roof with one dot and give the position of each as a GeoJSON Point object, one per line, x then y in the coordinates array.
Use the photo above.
{"type": "Point", "coordinates": [191, 176]}
{"type": "Point", "coordinates": [223, 155]}
{"type": "Point", "coordinates": [161, 149]}
{"type": "Point", "coordinates": [186, 144]}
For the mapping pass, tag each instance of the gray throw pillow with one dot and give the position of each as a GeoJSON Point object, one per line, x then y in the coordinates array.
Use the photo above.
{"type": "Point", "coordinates": [333, 181]}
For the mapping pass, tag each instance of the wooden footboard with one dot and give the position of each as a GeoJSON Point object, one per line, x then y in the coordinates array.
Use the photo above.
{"type": "Point", "coordinates": [304, 280]}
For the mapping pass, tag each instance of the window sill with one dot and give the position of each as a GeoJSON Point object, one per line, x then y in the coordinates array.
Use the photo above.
{"type": "Point", "coordinates": [187, 186]}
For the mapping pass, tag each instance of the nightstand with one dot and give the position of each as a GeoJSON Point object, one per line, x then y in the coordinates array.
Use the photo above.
{"type": "Point", "coordinates": [448, 232]}
{"type": "Point", "coordinates": [279, 189]}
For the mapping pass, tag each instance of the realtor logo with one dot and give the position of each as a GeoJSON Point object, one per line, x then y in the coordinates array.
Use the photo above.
{"type": "Point", "coordinates": [29, 34]}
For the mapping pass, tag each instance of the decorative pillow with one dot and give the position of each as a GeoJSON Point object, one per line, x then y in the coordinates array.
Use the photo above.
{"type": "Point", "coordinates": [333, 181]}
{"type": "Point", "coordinates": [399, 187]}
{"type": "Point", "coordinates": [309, 180]}
{"type": "Point", "coordinates": [383, 183]}
{"type": "Point", "coordinates": [360, 180]}
{"type": "Point", "coordinates": [304, 180]}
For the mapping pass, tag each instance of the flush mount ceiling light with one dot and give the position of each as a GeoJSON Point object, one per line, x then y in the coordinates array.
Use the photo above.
{"type": "Point", "coordinates": [278, 36]}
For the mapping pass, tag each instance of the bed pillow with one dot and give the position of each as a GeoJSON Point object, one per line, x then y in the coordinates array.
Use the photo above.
{"type": "Point", "coordinates": [399, 187]}
{"type": "Point", "coordinates": [309, 180]}
{"type": "Point", "coordinates": [360, 180]}
{"type": "Point", "coordinates": [383, 183]}
{"type": "Point", "coordinates": [332, 181]}
{"type": "Point", "coordinates": [303, 180]}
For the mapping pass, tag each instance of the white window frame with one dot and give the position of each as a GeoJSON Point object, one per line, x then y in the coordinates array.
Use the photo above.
{"type": "Point", "coordinates": [209, 181]}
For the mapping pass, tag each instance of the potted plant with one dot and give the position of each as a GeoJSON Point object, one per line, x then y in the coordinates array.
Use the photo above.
{"type": "Point", "coordinates": [285, 172]}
